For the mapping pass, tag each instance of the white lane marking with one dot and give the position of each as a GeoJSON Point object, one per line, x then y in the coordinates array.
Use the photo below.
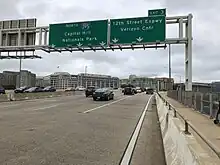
{"type": "Point", "coordinates": [42, 108]}
{"type": "Point", "coordinates": [128, 153]}
{"type": "Point", "coordinates": [93, 109]}
{"type": "Point", "coordinates": [9, 105]}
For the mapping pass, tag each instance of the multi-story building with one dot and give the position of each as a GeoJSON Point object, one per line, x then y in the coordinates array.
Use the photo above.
{"type": "Point", "coordinates": [9, 79]}
{"type": "Point", "coordinates": [2, 79]}
{"type": "Point", "coordinates": [164, 83]}
{"type": "Point", "coordinates": [97, 80]}
{"type": "Point", "coordinates": [43, 81]}
{"type": "Point", "coordinates": [124, 81]}
{"type": "Point", "coordinates": [27, 79]}
{"type": "Point", "coordinates": [63, 80]}
{"type": "Point", "coordinates": [157, 83]}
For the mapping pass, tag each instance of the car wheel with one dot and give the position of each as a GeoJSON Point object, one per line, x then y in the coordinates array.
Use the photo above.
{"type": "Point", "coordinates": [216, 121]}
{"type": "Point", "coordinates": [87, 95]}
{"type": "Point", "coordinates": [94, 98]}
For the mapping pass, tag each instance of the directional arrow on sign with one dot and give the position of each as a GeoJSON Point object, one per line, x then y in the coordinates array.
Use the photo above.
{"type": "Point", "coordinates": [115, 40]}
{"type": "Point", "coordinates": [53, 46]}
{"type": "Point", "coordinates": [139, 39]}
{"type": "Point", "coordinates": [102, 43]}
{"type": "Point", "coordinates": [79, 44]}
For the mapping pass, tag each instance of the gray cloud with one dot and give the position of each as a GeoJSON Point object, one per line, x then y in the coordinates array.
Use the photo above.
{"type": "Point", "coordinates": [205, 37]}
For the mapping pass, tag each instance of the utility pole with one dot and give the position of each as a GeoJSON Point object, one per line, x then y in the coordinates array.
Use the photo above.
{"type": "Point", "coordinates": [169, 58]}
{"type": "Point", "coordinates": [19, 83]}
{"type": "Point", "coordinates": [86, 75]}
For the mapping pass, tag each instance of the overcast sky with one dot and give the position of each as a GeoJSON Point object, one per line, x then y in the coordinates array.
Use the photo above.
{"type": "Point", "coordinates": [151, 62]}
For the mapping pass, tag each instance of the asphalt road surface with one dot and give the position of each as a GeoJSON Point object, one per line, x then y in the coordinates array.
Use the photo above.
{"type": "Point", "coordinates": [75, 130]}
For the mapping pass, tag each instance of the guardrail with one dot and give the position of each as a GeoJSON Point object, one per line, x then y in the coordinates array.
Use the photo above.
{"type": "Point", "coordinates": [205, 103]}
{"type": "Point", "coordinates": [190, 125]}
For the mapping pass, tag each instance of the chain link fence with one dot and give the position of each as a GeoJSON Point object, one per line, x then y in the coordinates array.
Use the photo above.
{"type": "Point", "coordinates": [205, 103]}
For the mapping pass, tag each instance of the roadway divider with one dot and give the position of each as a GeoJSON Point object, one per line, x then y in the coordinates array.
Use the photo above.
{"type": "Point", "coordinates": [11, 96]}
{"type": "Point", "coordinates": [181, 147]}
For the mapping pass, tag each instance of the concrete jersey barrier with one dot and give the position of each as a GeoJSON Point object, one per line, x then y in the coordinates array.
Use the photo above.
{"type": "Point", "coordinates": [11, 96]}
{"type": "Point", "coordinates": [180, 149]}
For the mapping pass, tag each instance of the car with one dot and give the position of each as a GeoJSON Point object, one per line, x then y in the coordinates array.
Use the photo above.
{"type": "Point", "coordinates": [49, 89]}
{"type": "Point", "coordinates": [150, 91]}
{"type": "Point", "coordinates": [129, 91]}
{"type": "Point", "coordinates": [103, 94]}
{"type": "Point", "coordinates": [138, 89]}
{"type": "Point", "coordinates": [135, 90]}
{"type": "Point", "coordinates": [90, 90]}
{"type": "Point", "coordinates": [80, 88]}
{"type": "Point", "coordinates": [69, 89]}
{"type": "Point", "coordinates": [142, 89]}
{"type": "Point", "coordinates": [34, 90]}
{"type": "Point", "coordinates": [2, 90]}
{"type": "Point", "coordinates": [21, 89]}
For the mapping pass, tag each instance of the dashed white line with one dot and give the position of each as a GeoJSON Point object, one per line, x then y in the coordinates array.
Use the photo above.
{"type": "Point", "coordinates": [42, 108]}
{"type": "Point", "coordinates": [10, 105]}
{"type": "Point", "coordinates": [129, 150]}
{"type": "Point", "coordinates": [93, 109]}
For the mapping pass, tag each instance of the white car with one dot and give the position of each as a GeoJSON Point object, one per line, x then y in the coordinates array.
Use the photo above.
{"type": "Point", "coordinates": [80, 88]}
{"type": "Point", "coordinates": [138, 89]}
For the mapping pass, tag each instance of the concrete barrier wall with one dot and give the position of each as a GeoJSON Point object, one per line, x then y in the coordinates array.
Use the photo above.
{"type": "Point", "coordinates": [180, 148]}
{"type": "Point", "coordinates": [11, 96]}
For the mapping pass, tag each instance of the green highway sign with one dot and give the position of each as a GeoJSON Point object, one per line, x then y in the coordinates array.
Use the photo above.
{"type": "Point", "coordinates": [157, 12]}
{"type": "Point", "coordinates": [137, 30]}
{"type": "Point", "coordinates": [78, 34]}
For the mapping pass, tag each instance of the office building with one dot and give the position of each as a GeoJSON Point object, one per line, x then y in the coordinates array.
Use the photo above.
{"type": "Point", "coordinates": [164, 84]}
{"type": "Point", "coordinates": [9, 81]}
{"type": "Point", "coordinates": [141, 81]}
{"type": "Point", "coordinates": [43, 81]}
{"type": "Point", "coordinates": [63, 80]}
{"type": "Point", "coordinates": [27, 79]}
{"type": "Point", "coordinates": [156, 83]}
{"type": "Point", "coordinates": [2, 79]}
{"type": "Point", "coordinates": [97, 80]}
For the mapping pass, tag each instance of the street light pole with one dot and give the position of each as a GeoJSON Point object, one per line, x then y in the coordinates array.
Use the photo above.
{"type": "Point", "coordinates": [19, 83]}
{"type": "Point", "coordinates": [169, 58]}
{"type": "Point", "coordinates": [86, 75]}
{"type": "Point", "coordinates": [169, 61]}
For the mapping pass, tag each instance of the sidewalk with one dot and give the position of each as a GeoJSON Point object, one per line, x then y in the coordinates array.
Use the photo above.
{"type": "Point", "coordinates": [202, 123]}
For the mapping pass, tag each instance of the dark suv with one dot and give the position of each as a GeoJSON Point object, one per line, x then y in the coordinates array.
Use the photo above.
{"type": "Point", "coordinates": [103, 94]}
{"type": "Point", "coordinates": [90, 90]}
{"type": "Point", "coordinates": [150, 91]}
{"type": "Point", "coordinates": [128, 91]}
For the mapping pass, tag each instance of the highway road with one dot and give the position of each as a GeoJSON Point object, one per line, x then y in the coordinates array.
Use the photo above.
{"type": "Point", "coordinates": [75, 130]}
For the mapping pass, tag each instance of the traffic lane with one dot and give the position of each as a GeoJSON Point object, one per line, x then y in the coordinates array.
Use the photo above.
{"type": "Point", "coordinates": [98, 137]}
{"type": "Point", "coordinates": [46, 101]}
{"type": "Point", "coordinates": [35, 101]}
{"type": "Point", "coordinates": [42, 104]}
{"type": "Point", "coordinates": [28, 117]}
{"type": "Point", "coordinates": [105, 132]}
{"type": "Point", "coordinates": [149, 147]}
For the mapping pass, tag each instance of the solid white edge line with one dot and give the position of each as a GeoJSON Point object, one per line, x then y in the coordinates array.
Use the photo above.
{"type": "Point", "coordinates": [93, 109]}
{"type": "Point", "coordinates": [129, 150]}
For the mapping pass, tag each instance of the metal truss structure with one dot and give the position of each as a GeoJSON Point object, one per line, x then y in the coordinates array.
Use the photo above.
{"type": "Point", "coordinates": [42, 37]}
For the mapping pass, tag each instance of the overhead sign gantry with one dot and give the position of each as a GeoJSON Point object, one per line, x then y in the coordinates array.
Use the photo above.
{"type": "Point", "coordinates": [113, 34]}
